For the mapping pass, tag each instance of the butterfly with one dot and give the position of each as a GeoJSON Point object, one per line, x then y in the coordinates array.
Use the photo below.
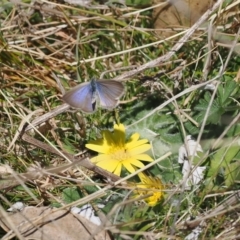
{"type": "Point", "coordinates": [85, 95]}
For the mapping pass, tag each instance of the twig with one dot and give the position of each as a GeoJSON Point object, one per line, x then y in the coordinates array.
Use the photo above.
{"type": "Point", "coordinates": [83, 161]}
{"type": "Point", "coordinates": [60, 109]}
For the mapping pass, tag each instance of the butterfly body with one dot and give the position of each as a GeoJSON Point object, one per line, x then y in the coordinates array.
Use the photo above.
{"type": "Point", "coordinates": [85, 95]}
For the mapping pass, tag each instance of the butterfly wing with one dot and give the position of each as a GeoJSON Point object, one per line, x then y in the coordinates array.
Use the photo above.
{"type": "Point", "coordinates": [82, 97]}
{"type": "Point", "coordinates": [109, 92]}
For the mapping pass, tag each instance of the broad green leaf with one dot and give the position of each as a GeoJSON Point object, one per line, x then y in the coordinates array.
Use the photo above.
{"type": "Point", "coordinates": [225, 91]}
{"type": "Point", "coordinates": [71, 194]}
{"type": "Point", "coordinates": [223, 162]}
{"type": "Point", "coordinates": [223, 102]}
{"type": "Point", "coordinates": [198, 158]}
{"type": "Point", "coordinates": [215, 112]}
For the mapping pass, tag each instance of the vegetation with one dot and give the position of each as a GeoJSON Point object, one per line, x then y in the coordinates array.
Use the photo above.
{"type": "Point", "coordinates": [175, 86]}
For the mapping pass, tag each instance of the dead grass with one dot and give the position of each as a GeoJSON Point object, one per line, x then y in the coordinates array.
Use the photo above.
{"type": "Point", "coordinates": [42, 42]}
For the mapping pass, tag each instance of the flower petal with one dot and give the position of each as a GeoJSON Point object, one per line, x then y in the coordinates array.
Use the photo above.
{"type": "Point", "coordinates": [118, 169]}
{"type": "Point", "coordinates": [114, 152]}
{"type": "Point", "coordinates": [149, 183]}
{"type": "Point", "coordinates": [108, 138]}
{"type": "Point", "coordinates": [98, 148]}
{"type": "Point", "coordinates": [101, 157]}
{"type": "Point", "coordinates": [134, 144]}
{"type": "Point", "coordinates": [139, 149]}
{"type": "Point", "coordinates": [129, 167]}
{"type": "Point", "coordinates": [142, 177]}
{"type": "Point", "coordinates": [118, 135]}
{"type": "Point", "coordinates": [144, 157]}
{"type": "Point", "coordinates": [134, 162]}
{"type": "Point", "coordinates": [109, 166]}
{"type": "Point", "coordinates": [134, 137]}
{"type": "Point", "coordinates": [141, 187]}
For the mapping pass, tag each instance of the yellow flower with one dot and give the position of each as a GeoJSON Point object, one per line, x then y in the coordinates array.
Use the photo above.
{"type": "Point", "coordinates": [115, 152]}
{"type": "Point", "coordinates": [150, 185]}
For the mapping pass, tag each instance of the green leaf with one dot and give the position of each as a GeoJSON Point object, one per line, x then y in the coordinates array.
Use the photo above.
{"type": "Point", "coordinates": [198, 158]}
{"type": "Point", "coordinates": [225, 91]}
{"type": "Point", "coordinates": [138, 3]}
{"type": "Point", "coordinates": [71, 194]}
{"type": "Point", "coordinates": [215, 112]}
{"type": "Point", "coordinates": [224, 102]}
{"type": "Point", "coordinates": [160, 128]}
{"type": "Point", "coordinates": [232, 173]}
{"type": "Point", "coordinates": [90, 189]}
{"type": "Point", "coordinates": [224, 162]}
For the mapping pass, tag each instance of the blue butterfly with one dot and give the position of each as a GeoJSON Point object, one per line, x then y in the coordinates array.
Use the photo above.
{"type": "Point", "coordinates": [85, 95]}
